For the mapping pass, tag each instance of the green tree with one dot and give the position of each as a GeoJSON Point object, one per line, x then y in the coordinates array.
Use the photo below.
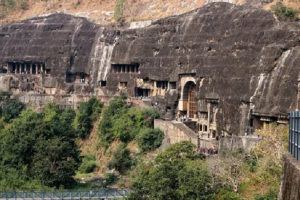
{"type": "Point", "coordinates": [175, 174]}
{"type": "Point", "coordinates": [41, 147]}
{"type": "Point", "coordinates": [150, 139]}
{"type": "Point", "coordinates": [11, 108]}
{"type": "Point", "coordinates": [121, 122]}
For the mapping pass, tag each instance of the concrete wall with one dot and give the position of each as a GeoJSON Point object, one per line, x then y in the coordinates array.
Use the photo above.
{"type": "Point", "coordinates": [235, 142]}
{"type": "Point", "coordinates": [290, 184]}
{"type": "Point", "coordinates": [39, 101]}
{"type": "Point", "coordinates": [174, 133]}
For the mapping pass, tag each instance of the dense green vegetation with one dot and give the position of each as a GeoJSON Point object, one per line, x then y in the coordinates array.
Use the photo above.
{"type": "Point", "coordinates": [284, 13]}
{"type": "Point", "coordinates": [39, 150]}
{"type": "Point", "coordinates": [121, 159]}
{"type": "Point", "coordinates": [122, 122]}
{"type": "Point", "coordinates": [87, 113]}
{"type": "Point", "coordinates": [150, 139]}
{"type": "Point", "coordinates": [11, 108]}
{"type": "Point", "coordinates": [177, 173]}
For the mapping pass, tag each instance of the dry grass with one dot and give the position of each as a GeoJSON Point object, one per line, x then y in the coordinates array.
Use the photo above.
{"type": "Point", "coordinates": [98, 10]}
{"type": "Point", "coordinates": [103, 156]}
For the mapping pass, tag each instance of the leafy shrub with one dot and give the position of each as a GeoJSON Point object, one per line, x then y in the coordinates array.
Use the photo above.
{"type": "Point", "coordinates": [284, 13]}
{"type": "Point", "coordinates": [226, 195]}
{"type": "Point", "coordinates": [9, 4]}
{"type": "Point", "coordinates": [87, 167]}
{"type": "Point", "coordinates": [11, 108]}
{"type": "Point", "coordinates": [150, 139]}
{"type": "Point", "coordinates": [87, 113]}
{"type": "Point", "coordinates": [88, 164]}
{"type": "Point", "coordinates": [121, 159]}
{"type": "Point", "coordinates": [267, 197]}
{"type": "Point", "coordinates": [110, 178]}
{"type": "Point", "coordinates": [24, 5]}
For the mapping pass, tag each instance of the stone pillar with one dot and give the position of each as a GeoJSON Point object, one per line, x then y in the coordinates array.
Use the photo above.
{"type": "Point", "coordinates": [30, 68]}
{"type": "Point", "coordinates": [36, 69]}
{"type": "Point", "coordinates": [208, 119]}
{"type": "Point", "coordinates": [155, 88]}
{"type": "Point", "coordinates": [42, 68]}
{"type": "Point", "coordinates": [16, 69]}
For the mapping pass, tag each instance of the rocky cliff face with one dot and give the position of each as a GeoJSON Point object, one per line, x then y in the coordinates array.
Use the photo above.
{"type": "Point", "coordinates": [238, 56]}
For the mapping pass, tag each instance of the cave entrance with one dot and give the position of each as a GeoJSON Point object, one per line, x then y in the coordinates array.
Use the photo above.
{"type": "Point", "coordinates": [189, 99]}
{"type": "Point", "coordinates": [141, 92]}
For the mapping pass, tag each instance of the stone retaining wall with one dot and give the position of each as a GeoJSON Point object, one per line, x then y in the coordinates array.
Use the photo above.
{"type": "Point", "coordinates": [290, 184]}
{"type": "Point", "coordinates": [232, 143]}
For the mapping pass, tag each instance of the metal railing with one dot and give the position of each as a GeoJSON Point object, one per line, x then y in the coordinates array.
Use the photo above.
{"type": "Point", "coordinates": [294, 134]}
{"type": "Point", "coordinates": [66, 195]}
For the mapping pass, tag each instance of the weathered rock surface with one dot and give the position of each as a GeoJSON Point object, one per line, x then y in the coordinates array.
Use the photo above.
{"type": "Point", "coordinates": [290, 183]}
{"type": "Point", "coordinates": [239, 55]}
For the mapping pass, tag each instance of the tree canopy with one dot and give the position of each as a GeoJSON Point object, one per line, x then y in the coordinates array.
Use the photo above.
{"type": "Point", "coordinates": [39, 149]}
{"type": "Point", "coordinates": [175, 174]}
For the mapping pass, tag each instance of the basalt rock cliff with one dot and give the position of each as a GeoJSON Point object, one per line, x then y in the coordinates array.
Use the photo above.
{"type": "Point", "coordinates": [243, 63]}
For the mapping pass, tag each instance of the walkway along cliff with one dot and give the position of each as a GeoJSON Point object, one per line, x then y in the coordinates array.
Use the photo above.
{"type": "Point", "coordinates": [230, 69]}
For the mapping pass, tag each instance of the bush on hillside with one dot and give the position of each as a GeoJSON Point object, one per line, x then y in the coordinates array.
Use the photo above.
{"type": "Point", "coordinates": [284, 13]}
{"type": "Point", "coordinates": [224, 194]}
{"type": "Point", "coordinates": [88, 164]}
{"type": "Point", "coordinates": [24, 5]}
{"type": "Point", "coordinates": [267, 197]}
{"type": "Point", "coordinates": [110, 178]}
{"type": "Point", "coordinates": [11, 108]}
{"type": "Point", "coordinates": [150, 139]}
{"type": "Point", "coordinates": [119, 9]}
{"type": "Point", "coordinates": [121, 159]}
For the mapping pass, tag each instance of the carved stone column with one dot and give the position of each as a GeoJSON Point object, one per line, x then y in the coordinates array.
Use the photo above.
{"type": "Point", "coordinates": [36, 69]}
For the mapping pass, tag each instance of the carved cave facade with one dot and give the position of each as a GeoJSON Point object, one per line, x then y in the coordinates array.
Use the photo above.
{"type": "Point", "coordinates": [205, 65]}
